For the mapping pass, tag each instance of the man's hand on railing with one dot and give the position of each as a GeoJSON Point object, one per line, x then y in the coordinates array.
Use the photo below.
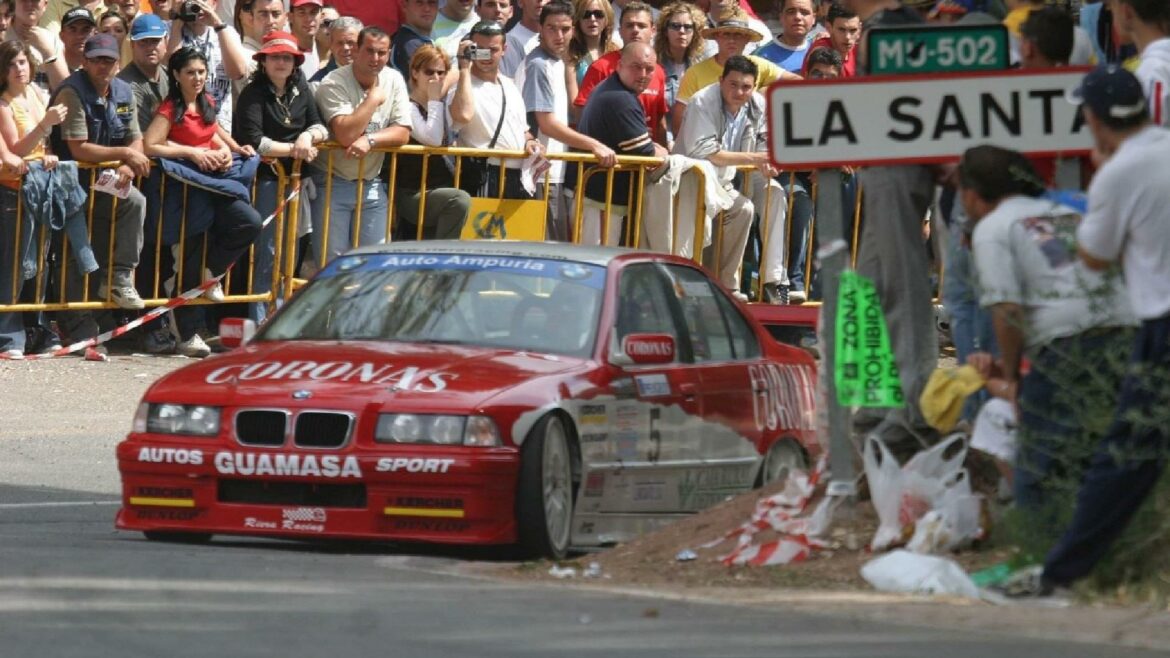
{"type": "Point", "coordinates": [137, 162]}
{"type": "Point", "coordinates": [533, 147]}
{"type": "Point", "coordinates": [605, 155]}
{"type": "Point", "coordinates": [763, 164]}
{"type": "Point", "coordinates": [359, 148]}
{"type": "Point", "coordinates": [125, 177]}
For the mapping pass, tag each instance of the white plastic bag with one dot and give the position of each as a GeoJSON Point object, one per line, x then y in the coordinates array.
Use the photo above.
{"type": "Point", "coordinates": [903, 571]}
{"type": "Point", "coordinates": [903, 495]}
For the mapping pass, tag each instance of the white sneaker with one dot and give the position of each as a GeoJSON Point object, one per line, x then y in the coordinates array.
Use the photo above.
{"type": "Point", "coordinates": [797, 297]}
{"type": "Point", "coordinates": [12, 354]}
{"type": "Point", "coordinates": [740, 296]}
{"type": "Point", "coordinates": [125, 296]}
{"type": "Point", "coordinates": [193, 347]}
{"type": "Point", "coordinates": [214, 293]}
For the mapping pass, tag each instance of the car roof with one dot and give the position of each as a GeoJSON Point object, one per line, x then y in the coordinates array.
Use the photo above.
{"type": "Point", "coordinates": [552, 250]}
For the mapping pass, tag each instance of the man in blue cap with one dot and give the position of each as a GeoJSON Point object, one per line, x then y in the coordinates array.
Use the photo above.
{"type": "Point", "coordinates": [1126, 222]}
{"type": "Point", "coordinates": [102, 126]}
{"type": "Point", "coordinates": [146, 74]}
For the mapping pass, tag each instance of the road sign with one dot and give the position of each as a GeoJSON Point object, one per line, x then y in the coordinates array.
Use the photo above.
{"type": "Point", "coordinates": [922, 119]}
{"type": "Point", "coordinates": [937, 49]}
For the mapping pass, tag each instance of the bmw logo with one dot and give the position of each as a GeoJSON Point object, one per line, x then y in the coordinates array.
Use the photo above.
{"type": "Point", "coordinates": [302, 395]}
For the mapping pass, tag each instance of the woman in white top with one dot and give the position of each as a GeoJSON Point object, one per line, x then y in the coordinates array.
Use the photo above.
{"type": "Point", "coordinates": [446, 207]}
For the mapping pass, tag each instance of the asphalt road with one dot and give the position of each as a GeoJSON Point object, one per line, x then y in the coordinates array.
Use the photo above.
{"type": "Point", "coordinates": [70, 585]}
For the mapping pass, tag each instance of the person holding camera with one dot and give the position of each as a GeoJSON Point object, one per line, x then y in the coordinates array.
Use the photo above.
{"type": "Point", "coordinates": [197, 26]}
{"type": "Point", "coordinates": [488, 112]}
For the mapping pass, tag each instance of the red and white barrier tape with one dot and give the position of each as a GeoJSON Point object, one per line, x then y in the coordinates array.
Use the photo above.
{"type": "Point", "coordinates": [156, 312]}
{"type": "Point", "coordinates": [782, 513]}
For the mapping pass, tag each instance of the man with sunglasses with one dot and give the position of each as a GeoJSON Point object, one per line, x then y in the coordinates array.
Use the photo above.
{"type": "Point", "coordinates": [636, 26]}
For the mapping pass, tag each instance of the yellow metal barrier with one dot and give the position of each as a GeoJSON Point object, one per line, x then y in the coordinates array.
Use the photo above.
{"type": "Point", "coordinates": [50, 277]}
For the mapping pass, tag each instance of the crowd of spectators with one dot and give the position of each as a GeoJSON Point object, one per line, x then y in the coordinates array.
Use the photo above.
{"type": "Point", "coordinates": [214, 91]}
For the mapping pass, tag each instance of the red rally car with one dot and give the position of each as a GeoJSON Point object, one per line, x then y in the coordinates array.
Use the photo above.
{"type": "Point", "coordinates": [545, 395]}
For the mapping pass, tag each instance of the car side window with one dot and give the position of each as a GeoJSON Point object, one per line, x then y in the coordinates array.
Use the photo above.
{"type": "Point", "coordinates": [743, 339]}
{"type": "Point", "coordinates": [711, 338]}
{"type": "Point", "coordinates": [643, 307]}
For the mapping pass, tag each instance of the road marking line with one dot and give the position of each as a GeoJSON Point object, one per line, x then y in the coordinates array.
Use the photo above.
{"type": "Point", "coordinates": [70, 503]}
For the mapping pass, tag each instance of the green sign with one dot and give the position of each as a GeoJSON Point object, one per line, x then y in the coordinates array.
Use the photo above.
{"type": "Point", "coordinates": [865, 371]}
{"type": "Point", "coordinates": [937, 49]}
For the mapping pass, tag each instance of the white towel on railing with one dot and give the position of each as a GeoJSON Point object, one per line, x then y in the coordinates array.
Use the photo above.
{"type": "Point", "coordinates": [659, 209]}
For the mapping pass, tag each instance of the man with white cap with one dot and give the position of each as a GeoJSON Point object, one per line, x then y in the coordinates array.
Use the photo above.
{"type": "Point", "coordinates": [145, 73]}
{"type": "Point", "coordinates": [732, 34]}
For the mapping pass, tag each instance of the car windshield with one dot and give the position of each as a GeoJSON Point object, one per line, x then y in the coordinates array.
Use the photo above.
{"type": "Point", "coordinates": [493, 301]}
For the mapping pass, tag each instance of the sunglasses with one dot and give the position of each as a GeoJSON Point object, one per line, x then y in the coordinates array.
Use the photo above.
{"type": "Point", "coordinates": [487, 29]}
{"type": "Point", "coordinates": [595, 14]}
{"type": "Point", "coordinates": [681, 27]}
{"type": "Point", "coordinates": [327, 23]}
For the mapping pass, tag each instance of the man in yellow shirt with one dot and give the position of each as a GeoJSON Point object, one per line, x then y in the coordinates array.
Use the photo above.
{"type": "Point", "coordinates": [733, 35]}
{"type": "Point", "coordinates": [51, 19]}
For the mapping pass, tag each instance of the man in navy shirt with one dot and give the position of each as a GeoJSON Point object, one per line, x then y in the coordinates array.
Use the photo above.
{"type": "Point", "coordinates": [614, 116]}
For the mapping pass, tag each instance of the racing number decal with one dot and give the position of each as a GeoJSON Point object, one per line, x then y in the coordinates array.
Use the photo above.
{"type": "Point", "coordinates": [655, 435]}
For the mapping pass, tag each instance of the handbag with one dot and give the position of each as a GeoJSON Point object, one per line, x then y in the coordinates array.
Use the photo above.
{"type": "Point", "coordinates": [474, 177]}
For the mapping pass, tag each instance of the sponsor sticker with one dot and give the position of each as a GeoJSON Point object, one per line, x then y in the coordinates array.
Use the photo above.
{"type": "Point", "coordinates": [304, 519]}
{"type": "Point", "coordinates": [652, 386]}
{"type": "Point", "coordinates": [403, 378]}
{"type": "Point", "coordinates": [259, 524]}
{"type": "Point", "coordinates": [593, 414]}
{"type": "Point", "coordinates": [148, 455]}
{"type": "Point", "coordinates": [430, 525]}
{"type": "Point", "coordinates": [413, 465]}
{"type": "Point", "coordinates": [167, 514]}
{"type": "Point", "coordinates": [261, 464]}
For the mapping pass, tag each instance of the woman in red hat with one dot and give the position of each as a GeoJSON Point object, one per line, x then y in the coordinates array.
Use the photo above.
{"type": "Point", "coordinates": [277, 115]}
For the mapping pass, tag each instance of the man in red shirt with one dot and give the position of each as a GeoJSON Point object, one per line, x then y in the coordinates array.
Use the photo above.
{"type": "Point", "coordinates": [844, 33]}
{"type": "Point", "coordinates": [386, 14]}
{"type": "Point", "coordinates": [637, 24]}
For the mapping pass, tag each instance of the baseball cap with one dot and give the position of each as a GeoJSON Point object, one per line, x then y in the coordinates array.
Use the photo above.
{"type": "Point", "coordinates": [78, 14]}
{"type": "Point", "coordinates": [1110, 91]}
{"type": "Point", "coordinates": [301, 3]}
{"type": "Point", "coordinates": [102, 45]}
{"type": "Point", "coordinates": [147, 26]}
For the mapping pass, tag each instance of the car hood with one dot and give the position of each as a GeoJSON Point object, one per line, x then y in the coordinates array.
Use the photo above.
{"type": "Point", "coordinates": [333, 374]}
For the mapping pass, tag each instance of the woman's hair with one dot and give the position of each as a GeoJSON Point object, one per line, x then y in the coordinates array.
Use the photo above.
{"type": "Point", "coordinates": [426, 54]}
{"type": "Point", "coordinates": [661, 42]}
{"type": "Point", "coordinates": [8, 52]}
{"type": "Point", "coordinates": [995, 173]}
{"type": "Point", "coordinates": [178, 61]}
{"type": "Point", "coordinates": [114, 13]}
{"type": "Point", "coordinates": [293, 80]}
{"type": "Point", "coordinates": [578, 49]}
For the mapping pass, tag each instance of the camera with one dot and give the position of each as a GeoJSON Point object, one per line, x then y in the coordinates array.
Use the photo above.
{"type": "Point", "coordinates": [476, 54]}
{"type": "Point", "coordinates": [188, 11]}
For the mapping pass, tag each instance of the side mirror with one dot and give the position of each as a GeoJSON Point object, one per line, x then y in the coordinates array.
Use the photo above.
{"type": "Point", "coordinates": [234, 332]}
{"type": "Point", "coordinates": [648, 349]}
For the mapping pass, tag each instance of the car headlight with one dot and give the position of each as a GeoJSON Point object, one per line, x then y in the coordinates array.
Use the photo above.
{"type": "Point", "coordinates": [190, 419]}
{"type": "Point", "coordinates": [437, 429]}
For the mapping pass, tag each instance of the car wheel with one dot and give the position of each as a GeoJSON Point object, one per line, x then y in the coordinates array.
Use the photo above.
{"type": "Point", "coordinates": [544, 505]}
{"type": "Point", "coordinates": [178, 537]}
{"type": "Point", "coordinates": [784, 457]}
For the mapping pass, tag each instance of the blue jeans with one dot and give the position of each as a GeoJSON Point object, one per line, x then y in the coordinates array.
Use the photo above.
{"type": "Point", "coordinates": [1060, 423]}
{"type": "Point", "coordinates": [264, 253]}
{"type": "Point", "coordinates": [797, 187]}
{"type": "Point", "coordinates": [342, 206]}
{"type": "Point", "coordinates": [1127, 462]}
{"type": "Point", "coordinates": [12, 323]}
{"type": "Point", "coordinates": [971, 329]}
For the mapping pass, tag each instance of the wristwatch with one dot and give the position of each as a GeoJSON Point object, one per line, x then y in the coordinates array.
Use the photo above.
{"type": "Point", "coordinates": [370, 139]}
{"type": "Point", "coordinates": [221, 27]}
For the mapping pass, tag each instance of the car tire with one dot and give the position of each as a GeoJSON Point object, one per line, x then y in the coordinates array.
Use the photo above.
{"type": "Point", "coordinates": [544, 497]}
{"type": "Point", "coordinates": [784, 457]}
{"type": "Point", "coordinates": [177, 537]}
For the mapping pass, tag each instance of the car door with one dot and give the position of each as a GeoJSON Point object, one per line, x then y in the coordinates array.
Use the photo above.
{"type": "Point", "coordinates": [633, 468]}
{"type": "Point", "coordinates": [726, 354]}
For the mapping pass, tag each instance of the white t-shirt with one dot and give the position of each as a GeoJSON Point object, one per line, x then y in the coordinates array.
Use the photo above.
{"type": "Point", "coordinates": [478, 132]}
{"type": "Point", "coordinates": [339, 94]}
{"type": "Point", "coordinates": [1154, 73]}
{"type": "Point", "coordinates": [447, 33]}
{"type": "Point", "coordinates": [1025, 253]}
{"type": "Point", "coordinates": [521, 41]}
{"type": "Point", "coordinates": [544, 91]}
{"type": "Point", "coordinates": [311, 64]}
{"type": "Point", "coordinates": [1128, 220]}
